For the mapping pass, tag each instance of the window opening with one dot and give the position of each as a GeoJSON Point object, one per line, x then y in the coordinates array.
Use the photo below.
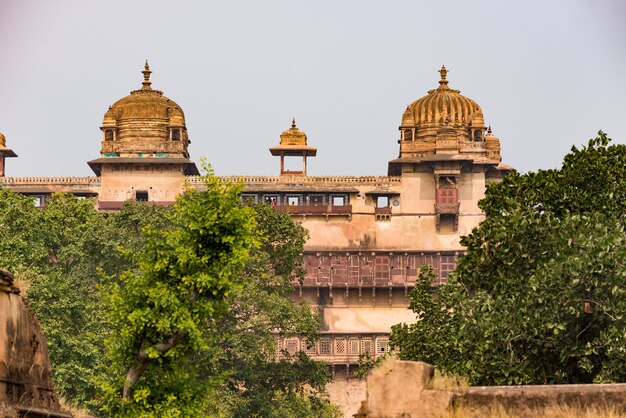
{"type": "Point", "coordinates": [339, 201]}
{"type": "Point", "coordinates": [141, 196]}
{"type": "Point", "coordinates": [271, 200]}
{"type": "Point", "coordinates": [382, 202]}
{"type": "Point", "coordinates": [316, 200]}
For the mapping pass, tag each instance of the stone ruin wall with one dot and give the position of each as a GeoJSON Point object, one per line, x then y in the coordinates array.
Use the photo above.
{"type": "Point", "coordinates": [25, 382]}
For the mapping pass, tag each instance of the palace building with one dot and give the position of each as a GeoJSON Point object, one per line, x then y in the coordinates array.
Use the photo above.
{"type": "Point", "coordinates": [368, 235]}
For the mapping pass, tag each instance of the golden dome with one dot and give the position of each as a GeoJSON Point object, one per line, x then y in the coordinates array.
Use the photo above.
{"type": "Point", "coordinates": [144, 122]}
{"type": "Point", "coordinates": [293, 135]}
{"type": "Point", "coordinates": [443, 105]}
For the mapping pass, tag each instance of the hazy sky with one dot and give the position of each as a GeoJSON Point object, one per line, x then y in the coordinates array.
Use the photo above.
{"type": "Point", "coordinates": [548, 74]}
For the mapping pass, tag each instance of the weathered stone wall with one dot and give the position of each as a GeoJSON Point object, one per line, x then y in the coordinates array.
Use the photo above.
{"type": "Point", "coordinates": [398, 388]}
{"type": "Point", "coordinates": [25, 369]}
{"type": "Point", "coordinates": [403, 389]}
{"type": "Point", "coordinates": [541, 396]}
{"type": "Point", "coordinates": [347, 394]}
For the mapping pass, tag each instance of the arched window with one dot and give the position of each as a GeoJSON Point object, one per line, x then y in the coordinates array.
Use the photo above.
{"type": "Point", "coordinates": [175, 134]}
{"type": "Point", "coordinates": [478, 135]}
{"type": "Point", "coordinates": [108, 135]}
{"type": "Point", "coordinates": [408, 135]}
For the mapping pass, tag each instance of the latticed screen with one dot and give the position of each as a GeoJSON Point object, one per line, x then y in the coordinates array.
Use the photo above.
{"type": "Point", "coordinates": [291, 346]}
{"type": "Point", "coordinates": [278, 347]}
{"type": "Point", "coordinates": [382, 345]}
{"type": "Point", "coordinates": [367, 346]}
{"type": "Point", "coordinates": [340, 346]}
{"type": "Point", "coordinates": [353, 347]}
{"type": "Point", "coordinates": [309, 349]}
{"type": "Point", "coordinates": [326, 347]}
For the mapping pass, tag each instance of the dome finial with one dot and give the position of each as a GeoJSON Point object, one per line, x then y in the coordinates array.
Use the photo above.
{"type": "Point", "coordinates": [293, 122]}
{"type": "Point", "coordinates": [146, 77]}
{"type": "Point", "coordinates": [443, 73]}
{"type": "Point", "coordinates": [489, 130]}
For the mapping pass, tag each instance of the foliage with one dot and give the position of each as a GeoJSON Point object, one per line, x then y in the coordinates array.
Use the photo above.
{"type": "Point", "coordinates": [258, 383]}
{"type": "Point", "coordinates": [145, 252]}
{"type": "Point", "coordinates": [166, 312]}
{"type": "Point", "coordinates": [58, 255]}
{"type": "Point", "coordinates": [54, 250]}
{"type": "Point", "coordinates": [539, 297]}
{"type": "Point", "coordinates": [365, 363]}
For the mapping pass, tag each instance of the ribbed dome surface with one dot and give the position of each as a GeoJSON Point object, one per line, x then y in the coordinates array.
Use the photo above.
{"type": "Point", "coordinates": [442, 105]}
{"type": "Point", "coordinates": [145, 123]}
{"type": "Point", "coordinates": [144, 104]}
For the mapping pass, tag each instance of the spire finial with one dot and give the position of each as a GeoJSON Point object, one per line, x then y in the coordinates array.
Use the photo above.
{"type": "Point", "coordinates": [293, 122]}
{"type": "Point", "coordinates": [443, 73]}
{"type": "Point", "coordinates": [489, 130]}
{"type": "Point", "coordinates": [146, 77]}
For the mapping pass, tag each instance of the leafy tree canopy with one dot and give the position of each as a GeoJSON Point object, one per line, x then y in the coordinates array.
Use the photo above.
{"type": "Point", "coordinates": [153, 265]}
{"type": "Point", "coordinates": [540, 296]}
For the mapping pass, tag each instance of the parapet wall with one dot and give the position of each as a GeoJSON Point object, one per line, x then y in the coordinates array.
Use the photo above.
{"type": "Point", "coordinates": [406, 389]}
{"type": "Point", "coordinates": [542, 396]}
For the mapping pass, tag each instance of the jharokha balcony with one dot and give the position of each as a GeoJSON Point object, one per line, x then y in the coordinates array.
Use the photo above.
{"type": "Point", "coordinates": [315, 209]}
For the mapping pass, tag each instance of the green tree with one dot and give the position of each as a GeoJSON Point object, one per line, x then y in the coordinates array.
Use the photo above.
{"type": "Point", "coordinates": [259, 383]}
{"type": "Point", "coordinates": [52, 252]}
{"type": "Point", "coordinates": [65, 251]}
{"type": "Point", "coordinates": [165, 312]}
{"type": "Point", "coordinates": [539, 297]}
{"type": "Point", "coordinates": [59, 255]}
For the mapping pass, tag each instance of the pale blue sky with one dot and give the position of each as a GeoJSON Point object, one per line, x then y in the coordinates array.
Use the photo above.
{"type": "Point", "coordinates": [548, 74]}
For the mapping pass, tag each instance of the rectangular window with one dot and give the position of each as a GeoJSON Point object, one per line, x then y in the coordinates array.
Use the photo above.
{"type": "Point", "coordinates": [271, 199]}
{"type": "Point", "coordinates": [39, 201]}
{"type": "Point", "coordinates": [309, 348]}
{"type": "Point", "coordinates": [141, 196]}
{"type": "Point", "coordinates": [340, 346]}
{"type": "Point", "coordinates": [339, 201]}
{"type": "Point", "coordinates": [353, 347]}
{"type": "Point", "coordinates": [248, 199]}
{"type": "Point", "coordinates": [382, 266]}
{"type": "Point", "coordinates": [293, 200]}
{"type": "Point", "coordinates": [367, 345]}
{"type": "Point", "coordinates": [291, 346]}
{"type": "Point", "coordinates": [382, 345]}
{"type": "Point", "coordinates": [316, 200]}
{"type": "Point", "coordinates": [326, 347]}
{"type": "Point", "coordinates": [382, 202]}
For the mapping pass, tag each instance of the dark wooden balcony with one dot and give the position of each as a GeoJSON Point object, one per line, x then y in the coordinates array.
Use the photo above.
{"type": "Point", "coordinates": [315, 210]}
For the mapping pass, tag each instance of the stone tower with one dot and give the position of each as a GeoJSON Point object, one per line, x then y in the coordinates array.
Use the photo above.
{"type": "Point", "coordinates": [144, 154]}
{"type": "Point", "coordinates": [444, 133]}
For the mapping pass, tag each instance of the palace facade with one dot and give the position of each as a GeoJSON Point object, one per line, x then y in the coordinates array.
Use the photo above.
{"type": "Point", "coordinates": [368, 235]}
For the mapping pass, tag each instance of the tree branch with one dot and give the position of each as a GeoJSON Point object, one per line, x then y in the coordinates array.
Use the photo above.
{"type": "Point", "coordinates": [143, 361]}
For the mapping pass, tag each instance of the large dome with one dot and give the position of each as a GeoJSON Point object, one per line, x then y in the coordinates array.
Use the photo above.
{"type": "Point", "coordinates": [443, 106]}
{"type": "Point", "coordinates": [144, 122]}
